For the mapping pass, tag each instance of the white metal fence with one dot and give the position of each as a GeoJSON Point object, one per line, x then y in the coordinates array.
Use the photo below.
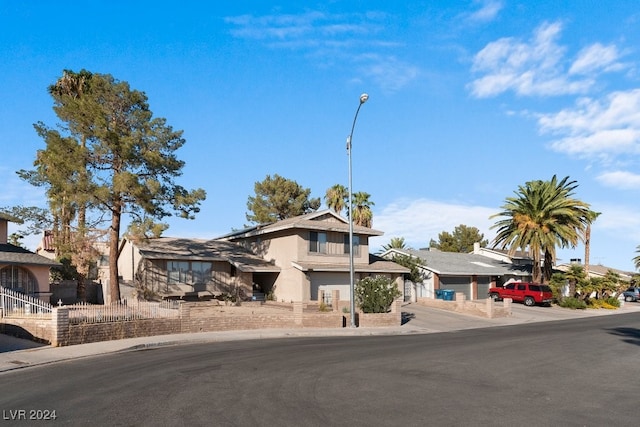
{"type": "Point", "coordinates": [127, 310]}
{"type": "Point", "coordinates": [17, 304]}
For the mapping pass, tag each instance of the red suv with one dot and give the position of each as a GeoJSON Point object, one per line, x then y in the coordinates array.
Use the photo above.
{"type": "Point", "coordinates": [528, 293]}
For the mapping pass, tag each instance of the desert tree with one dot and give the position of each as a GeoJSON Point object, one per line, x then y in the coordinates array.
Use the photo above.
{"type": "Point", "coordinates": [126, 163]}
{"type": "Point", "coordinates": [278, 198]}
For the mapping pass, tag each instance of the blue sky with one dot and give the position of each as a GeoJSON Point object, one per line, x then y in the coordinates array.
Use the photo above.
{"type": "Point", "coordinates": [467, 101]}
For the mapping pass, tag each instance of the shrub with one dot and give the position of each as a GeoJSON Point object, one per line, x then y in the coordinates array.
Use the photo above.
{"type": "Point", "coordinates": [573, 303]}
{"type": "Point", "coordinates": [376, 294]}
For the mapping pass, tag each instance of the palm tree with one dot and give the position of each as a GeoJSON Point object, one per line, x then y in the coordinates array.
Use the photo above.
{"type": "Point", "coordinates": [394, 243]}
{"type": "Point", "coordinates": [336, 198]}
{"type": "Point", "coordinates": [542, 217]}
{"type": "Point", "coordinates": [587, 240]}
{"type": "Point", "coordinates": [636, 259]}
{"type": "Point", "coordinates": [362, 214]}
{"type": "Point", "coordinates": [574, 275]}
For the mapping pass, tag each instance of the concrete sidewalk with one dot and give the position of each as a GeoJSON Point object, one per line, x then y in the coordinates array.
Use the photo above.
{"type": "Point", "coordinates": [419, 320]}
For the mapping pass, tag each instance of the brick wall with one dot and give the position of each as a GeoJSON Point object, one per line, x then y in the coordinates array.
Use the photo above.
{"type": "Point", "coordinates": [39, 330]}
{"type": "Point", "coordinates": [486, 308]}
{"type": "Point", "coordinates": [375, 320]}
{"type": "Point", "coordinates": [96, 332]}
{"type": "Point", "coordinates": [194, 317]}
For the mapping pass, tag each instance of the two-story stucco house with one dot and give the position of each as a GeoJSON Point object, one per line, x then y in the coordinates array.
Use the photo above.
{"type": "Point", "coordinates": [22, 270]}
{"type": "Point", "coordinates": [291, 260]}
{"type": "Point", "coordinates": [312, 252]}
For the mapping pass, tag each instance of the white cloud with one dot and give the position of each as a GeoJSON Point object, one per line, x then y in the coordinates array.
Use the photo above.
{"type": "Point", "coordinates": [538, 67]}
{"type": "Point", "coordinates": [388, 72]}
{"type": "Point", "coordinates": [421, 220]}
{"type": "Point", "coordinates": [333, 39]}
{"type": "Point", "coordinates": [594, 128]}
{"type": "Point", "coordinates": [620, 179]}
{"type": "Point", "coordinates": [619, 222]}
{"type": "Point", "coordinates": [488, 11]}
{"type": "Point", "coordinates": [596, 58]}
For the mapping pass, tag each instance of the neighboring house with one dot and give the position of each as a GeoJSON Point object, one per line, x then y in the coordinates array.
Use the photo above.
{"type": "Point", "coordinates": [520, 258]}
{"type": "Point", "coordinates": [312, 253]}
{"type": "Point", "coordinates": [99, 270]}
{"type": "Point", "coordinates": [597, 271]}
{"type": "Point", "coordinates": [471, 274]}
{"type": "Point", "coordinates": [193, 268]}
{"type": "Point", "coordinates": [22, 270]}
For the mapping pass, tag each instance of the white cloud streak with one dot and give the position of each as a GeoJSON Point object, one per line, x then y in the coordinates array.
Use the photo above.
{"type": "Point", "coordinates": [538, 67]}
{"type": "Point", "coordinates": [620, 179]}
{"type": "Point", "coordinates": [324, 35]}
{"type": "Point", "coordinates": [488, 11]}
{"type": "Point", "coordinates": [594, 128]}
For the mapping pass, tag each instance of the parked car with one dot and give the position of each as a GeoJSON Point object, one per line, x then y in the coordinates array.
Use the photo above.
{"type": "Point", "coordinates": [528, 293]}
{"type": "Point", "coordinates": [632, 294]}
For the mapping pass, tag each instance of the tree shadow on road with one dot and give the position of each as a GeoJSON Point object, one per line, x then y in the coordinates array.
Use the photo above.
{"type": "Point", "coordinates": [631, 335]}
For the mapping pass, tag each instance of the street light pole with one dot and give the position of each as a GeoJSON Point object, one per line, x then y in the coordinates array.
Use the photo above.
{"type": "Point", "coordinates": [363, 98]}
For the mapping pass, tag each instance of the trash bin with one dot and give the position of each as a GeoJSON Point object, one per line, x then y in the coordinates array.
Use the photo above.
{"type": "Point", "coordinates": [448, 294]}
{"type": "Point", "coordinates": [439, 294]}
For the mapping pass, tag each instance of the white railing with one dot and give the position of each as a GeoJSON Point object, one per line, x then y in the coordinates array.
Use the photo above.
{"type": "Point", "coordinates": [127, 310]}
{"type": "Point", "coordinates": [17, 304]}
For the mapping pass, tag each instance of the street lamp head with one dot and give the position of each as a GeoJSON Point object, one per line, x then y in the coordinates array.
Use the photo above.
{"type": "Point", "coordinates": [363, 98]}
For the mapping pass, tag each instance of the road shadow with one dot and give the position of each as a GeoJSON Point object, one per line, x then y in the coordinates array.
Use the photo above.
{"type": "Point", "coordinates": [630, 335]}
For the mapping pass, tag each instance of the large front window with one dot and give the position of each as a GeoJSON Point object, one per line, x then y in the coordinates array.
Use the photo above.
{"type": "Point", "coordinates": [17, 279]}
{"type": "Point", "coordinates": [188, 272]}
{"type": "Point", "coordinates": [318, 242]}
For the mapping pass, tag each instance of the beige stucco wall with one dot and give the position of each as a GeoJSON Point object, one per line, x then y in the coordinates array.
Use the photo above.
{"type": "Point", "coordinates": [285, 248]}
{"type": "Point", "coordinates": [128, 261]}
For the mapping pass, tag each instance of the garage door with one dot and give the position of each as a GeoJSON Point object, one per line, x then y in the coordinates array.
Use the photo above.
{"type": "Point", "coordinates": [484, 283]}
{"type": "Point", "coordinates": [457, 284]}
{"type": "Point", "coordinates": [329, 282]}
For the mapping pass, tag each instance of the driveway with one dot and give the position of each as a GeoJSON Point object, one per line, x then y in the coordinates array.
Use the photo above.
{"type": "Point", "coordinates": [418, 318]}
{"type": "Point", "coordinates": [9, 343]}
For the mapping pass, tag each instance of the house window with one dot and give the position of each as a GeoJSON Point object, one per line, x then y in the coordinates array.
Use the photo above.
{"type": "Point", "coordinates": [178, 272]}
{"type": "Point", "coordinates": [318, 242]}
{"type": "Point", "coordinates": [201, 271]}
{"type": "Point", "coordinates": [356, 245]}
{"type": "Point", "coordinates": [188, 272]}
{"type": "Point", "coordinates": [18, 279]}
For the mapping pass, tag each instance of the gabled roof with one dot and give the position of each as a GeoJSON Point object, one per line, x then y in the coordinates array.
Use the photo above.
{"type": "Point", "coordinates": [15, 255]}
{"type": "Point", "coordinates": [181, 249]}
{"type": "Point", "coordinates": [462, 264]}
{"type": "Point", "coordinates": [325, 220]}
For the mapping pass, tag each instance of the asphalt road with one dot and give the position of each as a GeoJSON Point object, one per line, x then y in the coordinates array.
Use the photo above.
{"type": "Point", "coordinates": [580, 372]}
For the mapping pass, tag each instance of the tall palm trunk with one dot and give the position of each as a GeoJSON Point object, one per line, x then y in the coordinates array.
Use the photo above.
{"type": "Point", "coordinates": [587, 248]}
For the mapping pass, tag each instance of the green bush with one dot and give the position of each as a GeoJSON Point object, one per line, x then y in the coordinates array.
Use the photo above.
{"type": "Point", "coordinates": [376, 294]}
{"type": "Point", "coordinates": [573, 303]}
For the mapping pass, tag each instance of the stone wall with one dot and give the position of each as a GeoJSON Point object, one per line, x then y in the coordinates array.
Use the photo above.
{"type": "Point", "coordinates": [375, 320]}
{"type": "Point", "coordinates": [484, 308]}
{"type": "Point", "coordinates": [96, 332]}
{"type": "Point", "coordinates": [209, 317]}
{"type": "Point", "coordinates": [30, 328]}
{"type": "Point", "coordinates": [194, 317]}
